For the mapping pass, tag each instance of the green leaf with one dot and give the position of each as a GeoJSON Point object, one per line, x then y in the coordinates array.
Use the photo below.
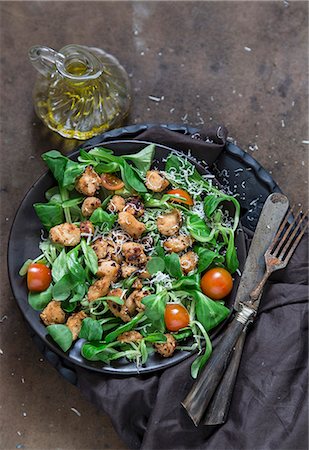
{"type": "Point", "coordinates": [152, 202]}
{"type": "Point", "coordinates": [113, 298]}
{"type": "Point", "coordinates": [100, 217]}
{"type": "Point", "coordinates": [126, 327]}
{"type": "Point", "coordinates": [231, 254]}
{"type": "Point", "coordinates": [209, 312]}
{"type": "Point", "coordinates": [38, 300]}
{"type": "Point", "coordinates": [62, 289]}
{"type": "Point", "coordinates": [60, 268]}
{"type": "Point", "coordinates": [79, 292]}
{"type": "Point", "coordinates": [50, 214]}
{"type": "Point", "coordinates": [131, 179]}
{"type": "Point", "coordinates": [155, 337]}
{"type": "Point", "coordinates": [143, 159]}
{"type": "Point", "coordinates": [190, 282]}
{"type": "Point", "coordinates": [172, 265]}
{"type": "Point", "coordinates": [91, 330]}
{"type": "Point", "coordinates": [200, 362]}
{"type": "Point", "coordinates": [62, 335]}
{"type": "Point", "coordinates": [212, 201]}
{"type": "Point", "coordinates": [107, 167]}
{"type": "Point", "coordinates": [24, 268]}
{"type": "Point", "coordinates": [155, 264]}
{"type": "Point", "coordinates": [144, 352]}
{"type": "Point", "coordinates": [51, 192]}
{"type": "Point", "coordinates": [68, 306]}
{"type": "Point", "coordinates": [91, 258]}
{"type": "Point", "coordinates": [72, 202]}
{"type": "Point", "coordinates": [71, 172]}
{"type": "Point", "coordinates": [85, 157]}
{"type": "Point", "coordinates": [198, 228]}
{"type": "Point", "coordinates": [75, 267]}
{"type": "Point", "coordinates": [183, 334]}
{"type": "Point", "coordinates": [64, 170]}
{"type": "Point", "coordinates": [56, 163]}
{"type": "Point", "coordinates": [176, 163]}
{"type": "Point", "coordinates": [104, 154]}
{"type": "Point", "coordinates": [155, 308]}
{"type": "Point", "coordinates": [159, 250]}
{"type": "Point", "coordinates": [206, 257]}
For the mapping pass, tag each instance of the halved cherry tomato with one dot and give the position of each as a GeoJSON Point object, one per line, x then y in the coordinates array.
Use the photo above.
{"type": "Point", "coordinates": [217, 283]}
{"type": "Point", "coordinates": [111, 182]}
{"type": "Point", "coordinates": [38, 277]}
{"type": "Point", "coordinates": [187, 200]}
{"type": "Point", "coordinates": [176, 317]}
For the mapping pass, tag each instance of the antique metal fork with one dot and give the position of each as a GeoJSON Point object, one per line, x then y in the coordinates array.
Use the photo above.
{"type": "Point", "coordinates": [282, 248]}
{"type": "Point", "coordinates": [203, 394]}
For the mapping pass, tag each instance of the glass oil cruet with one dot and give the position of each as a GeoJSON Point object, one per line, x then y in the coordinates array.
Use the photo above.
{"type": "Point", "coordinates": [80, 91]}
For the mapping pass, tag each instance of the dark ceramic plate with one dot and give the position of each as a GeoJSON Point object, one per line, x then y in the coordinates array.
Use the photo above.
{"type": "Point", "coordinates": [23, 244]}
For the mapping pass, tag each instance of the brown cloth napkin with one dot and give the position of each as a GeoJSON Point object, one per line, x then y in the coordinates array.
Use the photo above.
{"type": "Point", "coordinates": [269, 405]}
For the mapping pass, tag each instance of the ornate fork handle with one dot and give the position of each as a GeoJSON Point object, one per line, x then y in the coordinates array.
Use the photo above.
{"type": "Point", "coordinates": [204, 388]}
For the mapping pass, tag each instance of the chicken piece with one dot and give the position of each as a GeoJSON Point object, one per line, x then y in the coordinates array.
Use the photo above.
{"type": "Point", "coordinates": [86, 227]}
{"type": "Point", "coordinates": [167, 348]}
{"type": "Point", "coordinates": [113, 251]}
{"type": "Point", "coordinates": [177, 244]}
{"type": "Point", "coordinates": [144, 274]}
{"type": "Point", "coordinates": [134, 206]}
{"type": "Point", "coordinates": [169, 223]}
{"type": "Point", "coordinates": [118, 310]}
{"type": "Point", "coordinates": [89, 182]}
{"type": "Point", "coordinates": [108, 268]}
{"type": "Point", "coordinates": [99, 288]}
{"type": "Point", "coordinates": [136, 298]}
{"type": "Point", "coordinates": [137, 284]}
{"type": "Point", "coordinates": [117, 292]}
{"type": "Point", "coordinates": [155, 181]}
{"type": "Point", "coordinates": [134, 301]}
{"type": "Point", "coordinates": [116, 204]}
{"type": "Point", "coordinates": [89, 205]}
{"type": "Point", "coordinates": [53, 313]}
{"type": "Point", "coordinates": [188, 262]}
{"type": "Point", "coordinates": [65, 234]}
{"type": "Point", "coordinates": [130, 336]}
{"type": "Point", "coordinates": [100, 247]}
{"type": "Point", "coordinates": [74, 323]}
{"type": "Point", "coordinates": [127, 270]}
{"type": "Point", "coordinates": [134, 253]}
{"type": "Point", "coordinates": [115, 256]}
{"type": "Point", "coordinates": [131, 225]}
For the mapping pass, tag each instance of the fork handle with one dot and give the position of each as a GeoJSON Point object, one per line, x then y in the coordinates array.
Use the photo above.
{"type": "Point", "coordinates": [219, 406]}
{"type": "Point", "coordinates": [204, 388]}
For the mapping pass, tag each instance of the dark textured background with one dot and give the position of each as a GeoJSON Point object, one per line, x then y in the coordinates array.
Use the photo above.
{"type": "Point", "coordinates": [193, 56]}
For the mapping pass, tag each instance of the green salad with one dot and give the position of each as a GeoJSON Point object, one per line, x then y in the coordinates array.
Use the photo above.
{"type": "Point", "coordinates": [137, 260]}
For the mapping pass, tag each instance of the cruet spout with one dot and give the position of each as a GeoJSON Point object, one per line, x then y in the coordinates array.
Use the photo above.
{"type": "Point", "coordinates": [44, 59]}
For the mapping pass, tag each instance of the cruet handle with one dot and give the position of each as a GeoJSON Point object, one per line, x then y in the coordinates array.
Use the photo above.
{"type": "Point", "coordinates": [44, 59]}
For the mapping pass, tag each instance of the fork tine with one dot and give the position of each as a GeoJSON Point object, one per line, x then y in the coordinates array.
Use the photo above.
{"type": "Point", "coordinates": [278, 239]}
{"type": "Point", "coordinates": [292, 238]}
{"type": "Point", "coordinates": [287, 232]}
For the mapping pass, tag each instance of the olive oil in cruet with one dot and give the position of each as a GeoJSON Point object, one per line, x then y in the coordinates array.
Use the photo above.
{"type": "Point", "coordinates": [80, 91]}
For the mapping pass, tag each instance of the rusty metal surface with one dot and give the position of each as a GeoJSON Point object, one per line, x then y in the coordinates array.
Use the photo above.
{"type": "Point", "coordinates": [242, 63]}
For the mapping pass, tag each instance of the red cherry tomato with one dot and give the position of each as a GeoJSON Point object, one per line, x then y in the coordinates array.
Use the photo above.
{"type": "Point", "coordinates": [176, 317]}
{"type": "Point", "coordinates": [111, 182]}
{"type": "Point", "coordinates": [38, 277]}
{"type": "Point", "coordinates": [217, 283]}
{"type": "Point", "coordinates": [187, 200]}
